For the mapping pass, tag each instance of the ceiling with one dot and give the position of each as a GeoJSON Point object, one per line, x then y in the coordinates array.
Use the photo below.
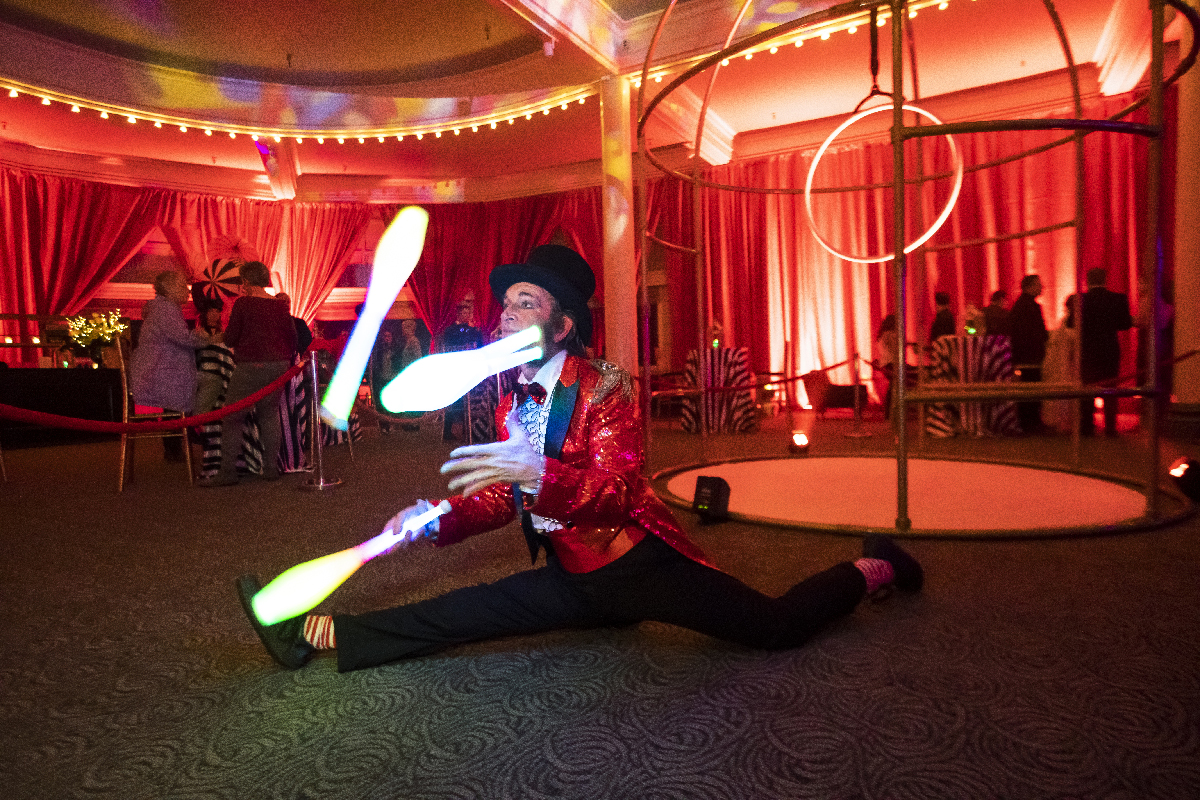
{"type": "Point", "coordinates": [402, 75]}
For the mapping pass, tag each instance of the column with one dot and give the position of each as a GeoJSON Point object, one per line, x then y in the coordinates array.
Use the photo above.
{"type": "Point", "coordinates": [620, 262]}
{"type": "Point", "coordinates": [1185, 414]}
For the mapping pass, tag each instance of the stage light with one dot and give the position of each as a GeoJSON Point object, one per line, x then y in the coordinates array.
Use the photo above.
{"type": "Point", "coordinates": [45, 101]}
{"type": "Point", "coordinates": [320, 140]}
{"type": "Point", "coordinates": [711, 500]}
{"type": "Point", "coordinates": [1186, 474]}
{"type": "Point", "coordinates": [103, 115]}
{"type": "Point", "coordinates": [158, 123]}
{"type": "Point", "coordinates": [341, 140]}
{"type": "Point", "coordinates": [799, 443]}
{"type": "Point", "coordinates": [12, 93]}
{"type": "Point", "coordinates": [75, 109]}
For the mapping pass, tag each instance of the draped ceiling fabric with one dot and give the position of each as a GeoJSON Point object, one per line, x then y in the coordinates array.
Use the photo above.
{"type": "Point", "coordinates": [771, 286]}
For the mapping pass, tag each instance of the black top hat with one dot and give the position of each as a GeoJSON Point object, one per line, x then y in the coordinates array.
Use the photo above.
{"type": "Point", "coordinates": [560, 271]}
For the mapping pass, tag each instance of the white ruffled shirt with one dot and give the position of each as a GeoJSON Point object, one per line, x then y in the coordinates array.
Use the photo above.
{"type": "Point", "coordinates": [535, 417]}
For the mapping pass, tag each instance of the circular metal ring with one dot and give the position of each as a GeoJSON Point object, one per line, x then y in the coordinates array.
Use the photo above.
{"type": "Point", "coordinates": [958, 179]}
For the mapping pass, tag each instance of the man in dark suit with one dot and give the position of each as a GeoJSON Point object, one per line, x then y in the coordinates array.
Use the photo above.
{"type": "Point", "coordinates": [943, 320]}
{"type": "Point", "coordinates": [1027, 328]}
{"type": "Point", "coordinates": [1105, 314]}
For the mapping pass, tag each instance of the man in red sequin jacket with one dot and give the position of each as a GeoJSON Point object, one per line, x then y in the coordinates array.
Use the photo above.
{"type": "Point", "coordinates": [569, 465]}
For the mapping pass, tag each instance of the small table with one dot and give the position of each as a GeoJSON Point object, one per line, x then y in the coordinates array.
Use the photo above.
{"type": "Point", "coordinates": [966, 360]}
{"type": "Point", "coordinates": [720, 411]}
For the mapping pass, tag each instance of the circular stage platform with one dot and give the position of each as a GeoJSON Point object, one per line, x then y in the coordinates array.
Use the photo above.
{"type": "Point", "coordinates": [945, 498]}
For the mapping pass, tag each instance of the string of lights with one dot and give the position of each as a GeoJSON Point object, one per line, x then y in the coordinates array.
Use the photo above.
{"type": "Point", "coordinates": [563, 101]}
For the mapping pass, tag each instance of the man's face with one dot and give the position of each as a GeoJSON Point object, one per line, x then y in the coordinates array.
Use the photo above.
{"type": "Point", "coordinates": [525, 305]}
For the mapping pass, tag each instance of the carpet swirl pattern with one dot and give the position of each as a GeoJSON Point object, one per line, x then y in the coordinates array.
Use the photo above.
{"type": "Point", "coordinates": [1026, 669]}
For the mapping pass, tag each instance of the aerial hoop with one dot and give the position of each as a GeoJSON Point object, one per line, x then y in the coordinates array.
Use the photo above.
{"type": "Point", "coordinates": [958, 179]}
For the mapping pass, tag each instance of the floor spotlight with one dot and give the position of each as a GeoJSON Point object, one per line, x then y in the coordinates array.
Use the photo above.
{"type": "Point", "coordinates": [1186, 474]}
{"type": "Point", "coordinates": [711, 500]}
{"type": "Point", "coordinates": [799, 443]}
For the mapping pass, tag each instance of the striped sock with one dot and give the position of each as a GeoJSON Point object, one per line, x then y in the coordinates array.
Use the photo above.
{"type": "Point", "coordinates": [318, 631]}
{"type": "Point", "coordinates": [877, 572]}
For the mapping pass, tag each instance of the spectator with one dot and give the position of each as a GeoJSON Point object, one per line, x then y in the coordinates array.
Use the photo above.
{"type": "Point", "coordinates": [162, 370]}
{"type": "Point", "coordinates": [1029, 336]}
{"type": "Point", "coordinates": [263, 339]}
{"type": "Point", "coordinates": [995, 315]}
{"type": "Point", "coordinates": [1105, 314]}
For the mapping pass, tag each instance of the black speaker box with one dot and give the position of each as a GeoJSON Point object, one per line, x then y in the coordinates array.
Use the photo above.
{"type": "Point", "coordinates": [711, 500]}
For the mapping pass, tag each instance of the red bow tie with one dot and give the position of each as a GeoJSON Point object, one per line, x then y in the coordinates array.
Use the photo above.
{"type": "Point", "coordinates": [534, 390]}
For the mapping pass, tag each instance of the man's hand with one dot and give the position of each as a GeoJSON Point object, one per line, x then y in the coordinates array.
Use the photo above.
{"type": "Point", "coordinates": [426, 533]}
{"type": "Point", "coordinates": [511, 461]}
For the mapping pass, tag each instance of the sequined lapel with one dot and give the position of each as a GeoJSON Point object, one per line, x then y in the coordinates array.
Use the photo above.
{"type": "Point", "coordinates": [562, 407]}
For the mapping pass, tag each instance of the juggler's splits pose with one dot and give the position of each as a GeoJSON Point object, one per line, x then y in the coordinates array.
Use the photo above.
{"type": "Point", "coordinates": [569, 464]}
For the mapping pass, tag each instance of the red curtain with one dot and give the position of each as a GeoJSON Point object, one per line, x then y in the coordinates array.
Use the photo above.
{"type": "Point", "coordinates": [61, 239]}
{"type": "Point", "coordinates": [466, 240]}
{"type": "Point", "coordinates": [797, 307]}
{"type": "Point", "coordinates": [192, 223]}
{"type": "Point", "coordinates": [321, 240]}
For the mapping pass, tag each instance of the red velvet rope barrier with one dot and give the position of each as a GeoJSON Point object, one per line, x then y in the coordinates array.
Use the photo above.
{"type": "Point", "coordinates": [96, 426]}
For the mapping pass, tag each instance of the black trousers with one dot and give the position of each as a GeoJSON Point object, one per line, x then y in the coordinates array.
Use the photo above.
{"type": "Point", "coordinates": [650, 582]}
{"type": "Point", "coordinates": [1029, 413]}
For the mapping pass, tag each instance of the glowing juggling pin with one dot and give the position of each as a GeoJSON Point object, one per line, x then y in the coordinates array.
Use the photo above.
{"type": "Point", "coordinates": [300, 588]}
{"type": "Point", "coordinates": [437, 381]}
{"type": "Point", "coordinates": [396, 256]}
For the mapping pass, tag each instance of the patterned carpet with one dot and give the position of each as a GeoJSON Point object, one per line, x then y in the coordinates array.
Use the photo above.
{"type": "Point", "coordinates": [1060, 668]}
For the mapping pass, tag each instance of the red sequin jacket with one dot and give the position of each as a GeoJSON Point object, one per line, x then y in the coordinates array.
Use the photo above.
{"type": "Point", "coordinates": [595, 488]}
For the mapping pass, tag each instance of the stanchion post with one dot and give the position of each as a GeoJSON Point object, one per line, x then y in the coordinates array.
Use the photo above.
{"type": "Point", "coordinates": [856, 431]}
{"type": "Point", "coordinates": [319, 483]}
